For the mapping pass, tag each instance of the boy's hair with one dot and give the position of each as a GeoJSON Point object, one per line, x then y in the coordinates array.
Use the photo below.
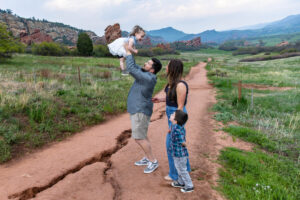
{"type": "Point", "coordinates": [156, 65]}
{"type": "Point", "coordinates": [181, 117]}
{"type": "Point", "coordinates": [136, 29]}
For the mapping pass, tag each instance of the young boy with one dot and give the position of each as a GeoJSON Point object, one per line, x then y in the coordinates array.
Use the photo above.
{"type": "Point", "coordinates": [179, 151]}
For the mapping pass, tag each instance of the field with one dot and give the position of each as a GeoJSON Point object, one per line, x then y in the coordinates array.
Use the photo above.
{"type": "Point", "coordinates": [268, 115]}
{"type": "Point", "coordinates": [42, 99]}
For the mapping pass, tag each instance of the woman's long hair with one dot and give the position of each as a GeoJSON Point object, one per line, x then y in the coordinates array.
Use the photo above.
{"type": "Point", "coordinates": [175, 70]}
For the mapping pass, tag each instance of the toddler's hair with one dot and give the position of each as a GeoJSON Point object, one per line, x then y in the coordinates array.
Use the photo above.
{"type": "Point", "coordinates": [181, 117]}
{"type": "Point", "coordinates": [136, 29]}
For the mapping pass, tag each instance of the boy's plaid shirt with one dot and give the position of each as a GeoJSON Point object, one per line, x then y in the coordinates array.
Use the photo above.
{"type": "Point", "coordinates": [177, 138]}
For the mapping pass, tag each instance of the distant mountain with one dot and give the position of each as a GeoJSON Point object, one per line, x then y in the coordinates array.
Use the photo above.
{"type": "Point", "coordinates": [288, 25]}
{"type": "Point", "coordinates": [251, 27]}
{"type": "Point", "coordinates": [154, 39]}
{"type": "Point", "coordinates": [169, 34]}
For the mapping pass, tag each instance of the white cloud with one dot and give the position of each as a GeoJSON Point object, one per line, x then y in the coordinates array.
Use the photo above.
{"type": "Point", "coordinates": [191, 16]}
{"type": "Point", "coordinates": [77, 5]}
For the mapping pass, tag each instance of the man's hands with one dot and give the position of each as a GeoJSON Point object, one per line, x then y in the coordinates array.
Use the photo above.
{"type": "Point", "coordinates": [183, 144]}
{"type": "Point", "coordinates": [157, 100]}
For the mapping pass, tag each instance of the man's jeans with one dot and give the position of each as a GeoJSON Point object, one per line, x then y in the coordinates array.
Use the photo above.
{"type": "Point", "coordinates": [183, 175]}
{"type": "Point", "coordinates": [172, 170]}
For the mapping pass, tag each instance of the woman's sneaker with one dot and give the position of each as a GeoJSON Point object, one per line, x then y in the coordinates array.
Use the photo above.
{"type": "Point", "coordinates": [144, 161]}
{"type": "Point", "coordinates": [168, 178]}
{"type": "Point", "coordinates": [176, 184]}
{"type": "Point", "coordinates": [185, 190]}
{"type": "Point", "coordinates": [151, 167]}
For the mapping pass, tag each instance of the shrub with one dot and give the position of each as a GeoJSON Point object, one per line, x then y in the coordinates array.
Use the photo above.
{"type": "Point", "coordinates": [50, 49]}
{"type": "Point", "coordinates": [7, 44]}
{"type": "Point", "coordinates": [289, 50]}
{"type": "Point", "coordinates": [84, 44]}
{"type": "Point", "coordinates": [101, 51]}
{"type": "Point", "coordinates": [157, 51]}
{"type": "Point", "coordinates": [145, 52]}
{"type": "Point", "coordinates": [4, 151]}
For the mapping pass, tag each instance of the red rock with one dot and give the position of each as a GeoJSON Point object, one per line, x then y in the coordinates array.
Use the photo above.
{"type": "Point", "coordinates": [284, 43]}
{"type": "Point", "coordinates": [112, 33]}
{"type": "Point", "coordinates": [36, 37]}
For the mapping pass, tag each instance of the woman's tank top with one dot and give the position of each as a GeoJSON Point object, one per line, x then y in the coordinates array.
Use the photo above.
{"type": "Point", "coordinates": [174, 103]}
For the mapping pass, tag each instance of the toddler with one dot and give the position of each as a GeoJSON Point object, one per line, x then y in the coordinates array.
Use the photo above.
{"type": "Point", "coordinates": [116, 48]}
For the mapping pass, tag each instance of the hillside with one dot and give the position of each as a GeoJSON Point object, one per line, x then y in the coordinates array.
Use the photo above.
{"type": "Point", "coordinates": [169, 34]}
{"type": "Point", "coordinates": [288, 25]}
{"type": "Point", "coordinates": [59, 32]}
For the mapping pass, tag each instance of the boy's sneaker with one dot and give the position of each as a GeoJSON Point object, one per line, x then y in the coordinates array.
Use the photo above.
{"type": "Point", "coordinates": [176, 184]}
{"type": "Point", "coordinates": [151, 167]}
{"type": "Point", "coordinates": [185, 190]}
{"type": "Point", "coordinates": [144, 161]}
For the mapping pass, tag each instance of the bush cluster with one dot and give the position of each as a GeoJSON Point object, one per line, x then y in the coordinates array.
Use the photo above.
{"type": "Point", "coordinates": [51, 49]}
{"type": "Point", "coordinates": [156, 51]}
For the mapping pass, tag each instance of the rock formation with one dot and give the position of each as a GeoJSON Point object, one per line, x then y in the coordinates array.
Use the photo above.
{"type": "Point", "coordinates": [57, 31]}
{"type": "Point", "coordinates": [196, 42]}
{"type": "Point", "coordinates": [36, 37]}
{"type": "Point", "coordinates": [112, 32]}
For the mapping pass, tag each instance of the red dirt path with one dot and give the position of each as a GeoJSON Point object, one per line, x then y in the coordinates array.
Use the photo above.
{"type": "Point", "coordinates": [98, 163]}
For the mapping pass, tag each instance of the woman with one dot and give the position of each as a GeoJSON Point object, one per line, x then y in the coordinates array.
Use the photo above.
{"type": "Point", "coordinates": [176, 98]}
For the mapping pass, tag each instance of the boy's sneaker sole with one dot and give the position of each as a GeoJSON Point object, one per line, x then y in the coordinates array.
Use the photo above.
{"type": "Point", "coordinates": [187, 190]}
{"type": "Point", "coordinates": [177, 185]}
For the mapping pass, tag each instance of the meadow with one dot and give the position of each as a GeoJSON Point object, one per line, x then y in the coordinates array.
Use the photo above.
{"type": "Point", "coordinates": [42, 98]}
{"type": "Point", "coordinates": [268, 115]}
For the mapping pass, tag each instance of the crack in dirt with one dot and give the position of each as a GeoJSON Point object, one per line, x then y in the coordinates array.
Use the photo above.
{"type": "Point", "coordinates": [104, 156]}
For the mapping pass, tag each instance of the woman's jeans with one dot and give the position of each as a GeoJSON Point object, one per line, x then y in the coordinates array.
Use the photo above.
{"type": "Point", "coordinates": [172, 170]}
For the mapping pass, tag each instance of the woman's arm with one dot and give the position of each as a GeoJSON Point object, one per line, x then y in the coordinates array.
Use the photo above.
{"type": "Point", "coordinates": [131, 46]}
{"type": "Point", "coordinates": [181, 95]}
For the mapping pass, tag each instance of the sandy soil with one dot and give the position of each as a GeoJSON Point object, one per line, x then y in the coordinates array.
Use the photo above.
{"type": "Point", "coordinates": [98, 163]}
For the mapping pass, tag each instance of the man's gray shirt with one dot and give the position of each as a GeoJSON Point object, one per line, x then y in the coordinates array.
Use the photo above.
{"type": "Point", "coordinates": [140, 94]}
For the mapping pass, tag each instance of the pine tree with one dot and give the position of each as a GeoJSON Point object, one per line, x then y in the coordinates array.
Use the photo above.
{"type": "Point", "coordinates": [84, 44]}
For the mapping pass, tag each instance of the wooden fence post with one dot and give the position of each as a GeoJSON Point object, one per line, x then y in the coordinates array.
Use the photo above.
{"type": "Point", "coordinates": [79, 78]}
{"type": "Point", "coordinates": [240, 89]}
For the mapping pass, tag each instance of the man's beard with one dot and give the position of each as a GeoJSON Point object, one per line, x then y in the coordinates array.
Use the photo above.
{"type": "Point", "coordinates": [144, 70]}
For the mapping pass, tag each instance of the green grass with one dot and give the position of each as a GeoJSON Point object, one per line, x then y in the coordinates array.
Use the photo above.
{"type": "Point", "coordinates": [256, 175]}
{"type": "Point", "coordinates": [268, 118]}
{"type": "Point", "coordinates": [41, 99]}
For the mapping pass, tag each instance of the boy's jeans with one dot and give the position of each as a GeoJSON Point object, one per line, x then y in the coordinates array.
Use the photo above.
{"type": "Point", "coordinates": [172, 170]}
{"type": "Point", "coordinates": [183, 175]}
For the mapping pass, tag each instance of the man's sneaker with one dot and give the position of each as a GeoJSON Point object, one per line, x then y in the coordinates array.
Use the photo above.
{"type": "Point", "coordinates": [144, 161]}
{"type": "Point", "coordinates": [185, 190]}
{"type": "Point", "coordinates": [151, 167]}
{"type": "Point", "coordinates": [176, 184]}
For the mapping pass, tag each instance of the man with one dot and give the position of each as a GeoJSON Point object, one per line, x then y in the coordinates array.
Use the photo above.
{"type": "Point", "coordinates": [140, 106]}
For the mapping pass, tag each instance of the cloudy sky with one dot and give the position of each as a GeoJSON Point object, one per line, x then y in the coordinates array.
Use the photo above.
{"type": "Point", "coordinates": [190, 16]}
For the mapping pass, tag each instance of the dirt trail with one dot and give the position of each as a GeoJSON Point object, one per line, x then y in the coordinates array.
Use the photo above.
{"type": "Point", "coordinates": [98, 163]}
